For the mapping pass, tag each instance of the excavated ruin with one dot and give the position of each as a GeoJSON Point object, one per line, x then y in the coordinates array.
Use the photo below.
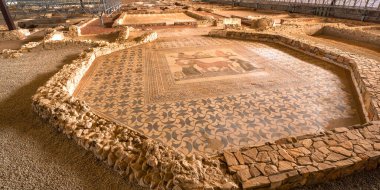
{"type": "Point", "coordinates": [202, 33]}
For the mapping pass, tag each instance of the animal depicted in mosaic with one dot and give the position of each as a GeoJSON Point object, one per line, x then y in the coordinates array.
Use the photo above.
{"type": "Point", "coordinates": [210, 63]}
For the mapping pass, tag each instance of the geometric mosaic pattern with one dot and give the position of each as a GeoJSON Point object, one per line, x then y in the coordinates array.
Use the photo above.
{"type": "Point", "coordinates": [203, 94]}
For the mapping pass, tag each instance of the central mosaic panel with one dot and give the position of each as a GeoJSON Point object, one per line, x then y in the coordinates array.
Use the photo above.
{"type": "Point", "coordinates": [182, 73]}
{"type": "Point", "coordinates": [202, 95]}
{"type": "Point", "coordinates": [208, 64]}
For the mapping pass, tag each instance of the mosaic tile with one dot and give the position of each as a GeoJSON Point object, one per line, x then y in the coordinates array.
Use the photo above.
{"type": "Point", "coordinates": [202, 94]}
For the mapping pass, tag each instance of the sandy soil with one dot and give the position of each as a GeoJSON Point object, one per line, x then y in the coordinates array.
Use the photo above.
{"type": "Point", "coordinates": [32, 154]}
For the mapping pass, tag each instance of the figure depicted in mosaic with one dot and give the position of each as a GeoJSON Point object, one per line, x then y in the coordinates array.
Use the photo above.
{"type": "Point", "coordinates": [216, 62]}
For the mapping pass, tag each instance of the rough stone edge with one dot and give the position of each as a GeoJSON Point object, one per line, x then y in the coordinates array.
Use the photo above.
{"type": "Point", "coordinates": [133, 155]}
{"type": "Point", "coordinates": [75, 30]}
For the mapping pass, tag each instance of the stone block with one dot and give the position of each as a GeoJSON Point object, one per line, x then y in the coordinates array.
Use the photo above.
{"type": "Point", "coordinates": [252, 153]}
{"type": "Point", "coordinates": [277, 180]}
{"type": "Point", "coordinates": [244, 174]}
{"type": "Point", "coordinates": [257, 182]}
{"type": "Point", "coordinates": [285, 166]}
{"type": "Point", "coordinates": [239, 157]}
{"type": "Point", "coordinates": [230, 158]}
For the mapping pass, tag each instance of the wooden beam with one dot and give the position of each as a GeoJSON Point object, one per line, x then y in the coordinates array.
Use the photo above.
{"type": "Point", "coordinates": [6, 15]}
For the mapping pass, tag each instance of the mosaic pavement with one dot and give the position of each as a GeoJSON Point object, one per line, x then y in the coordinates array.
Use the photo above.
{"type": "Point", "coordinates": [202, 94]}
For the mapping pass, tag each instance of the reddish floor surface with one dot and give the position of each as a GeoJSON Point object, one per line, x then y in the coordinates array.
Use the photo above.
{"type": "Point", "coordinates": [95, 27]}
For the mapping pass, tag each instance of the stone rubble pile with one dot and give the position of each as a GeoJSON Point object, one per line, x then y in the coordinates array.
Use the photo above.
{"type": "Point", "coordinates": [18, 34]}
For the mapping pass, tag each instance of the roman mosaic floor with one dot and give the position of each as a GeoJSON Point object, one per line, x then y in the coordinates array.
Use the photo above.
{"type": "Point", "coordinates": [201, 94]}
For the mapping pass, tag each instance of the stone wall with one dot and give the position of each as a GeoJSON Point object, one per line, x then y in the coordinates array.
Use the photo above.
{"type": "Point", "coordinates": [197, 16]}
{"type": "Point", "coordinates": [293, 162]}
{"type": "Point", "coordinates": [202, 20]}
{"type": "Point", "coordinates": [75, 30]}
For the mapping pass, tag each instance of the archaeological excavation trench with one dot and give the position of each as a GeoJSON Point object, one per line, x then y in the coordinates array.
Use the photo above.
{"type": "Point", "coordinates": [203, 96]}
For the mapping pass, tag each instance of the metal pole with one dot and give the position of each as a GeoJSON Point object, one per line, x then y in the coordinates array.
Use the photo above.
{"type": "Point", "coordinates": [7, 16]}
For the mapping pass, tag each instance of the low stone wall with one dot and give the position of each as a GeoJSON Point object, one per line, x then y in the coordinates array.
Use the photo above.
{"type": "Point", "coordinates": [75, 30]}
{"type": "Point", "coordinates": [133, 155]}
{"type": "Point", "coordinates": [197, 16]}
{"type": "Point", "coordinates": [305, 160]}
{"type": "Point", "coordinates": [193, 24]}
{"type": "Point", "coordinates": [146, 25]}
{"type": "Point", "coordinates": [202, 20]}
{"type": "Point", "coordinates": [313, 158]}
